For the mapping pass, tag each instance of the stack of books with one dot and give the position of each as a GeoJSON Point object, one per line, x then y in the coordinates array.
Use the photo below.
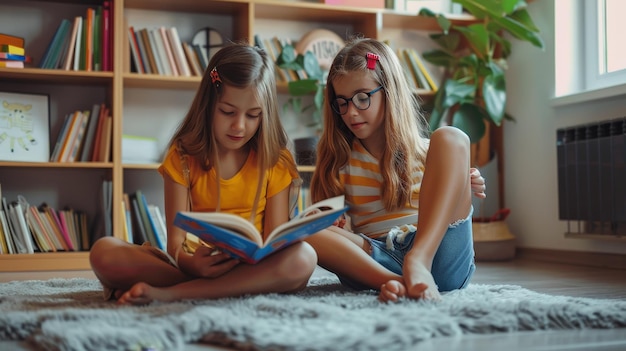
{"type": "Point", "coordinates": [12, 52]}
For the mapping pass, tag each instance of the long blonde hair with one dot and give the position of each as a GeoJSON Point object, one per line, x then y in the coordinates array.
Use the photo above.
{"type": "Point", "coordinates": [405, 128]}
{"type": "Point", "coordinates": [239, 65]}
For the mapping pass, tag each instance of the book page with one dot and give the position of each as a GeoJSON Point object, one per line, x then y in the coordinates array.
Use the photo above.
{"type": "Point", "coordinates": [230, 221]}
{"type": "Point", "coordinates": [324, 205]}
{"type": "Point", "coordinates": [309, 214]}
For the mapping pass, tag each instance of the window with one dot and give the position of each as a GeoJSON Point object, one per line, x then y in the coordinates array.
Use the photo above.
{"type": "Point", "coordinates": [590, 57]}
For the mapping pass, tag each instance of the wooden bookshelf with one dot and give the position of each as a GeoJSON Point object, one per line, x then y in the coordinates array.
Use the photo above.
{"type": "Point", "coordinates": [126, 92]}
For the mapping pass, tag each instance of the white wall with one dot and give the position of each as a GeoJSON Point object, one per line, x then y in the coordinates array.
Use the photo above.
{"type": "Point", "coordinates": [530, 171]}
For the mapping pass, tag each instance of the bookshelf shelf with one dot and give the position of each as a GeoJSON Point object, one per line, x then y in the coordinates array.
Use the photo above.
{"type": "Point", "coordinates": [155, 81]}
{"type": "Point", "coordinates": [56, 76]}
{"type": "Point", "coordinates": [97, 165]}
{"type": "Point", "coordinates": [143, 102]}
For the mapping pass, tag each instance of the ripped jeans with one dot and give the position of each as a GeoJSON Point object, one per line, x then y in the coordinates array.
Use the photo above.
{"type": "Point", "coordinates": [453, 264]}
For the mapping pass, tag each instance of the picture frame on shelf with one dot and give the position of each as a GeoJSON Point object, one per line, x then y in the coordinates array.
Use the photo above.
{"type": "Point", "coordinates": [24, 127]}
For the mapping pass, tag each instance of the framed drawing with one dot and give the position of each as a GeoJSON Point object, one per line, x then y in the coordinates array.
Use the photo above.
{"type": "Point", "coordinates": [24, 127]}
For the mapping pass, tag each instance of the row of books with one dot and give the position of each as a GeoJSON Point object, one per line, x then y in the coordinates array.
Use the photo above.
{"type": "Point", "coordinates": [26, 228]}
{"type": "Point", "coordinates": [415, 68]}
{"type": "Point", "coordinates": [83, 43]}
{"type": "Point", "coordinates": [160, 51]}
{"type": "Point", "coordinates": [85, 136]}
{"type": "Point", "coordinates": [12, 51]}
{"type": "Point", "coordinates": [143, 222]}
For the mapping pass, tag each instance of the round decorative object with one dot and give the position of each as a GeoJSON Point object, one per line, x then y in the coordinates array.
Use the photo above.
{"type": "Point", "coordinates": [210, 40]}
{"type": "Point", "coordinates": [323, 43]}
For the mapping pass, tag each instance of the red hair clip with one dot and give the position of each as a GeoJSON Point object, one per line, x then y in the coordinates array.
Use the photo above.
{"type": "Point", "coordinates": [371, 60]}
{"type": "Point", "coordinates": [215, 77]}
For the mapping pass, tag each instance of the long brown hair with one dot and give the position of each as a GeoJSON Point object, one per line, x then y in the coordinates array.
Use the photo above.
{"type": "Point", "coordinates": [239, 65]}
{"type": "Point", "coordinates": [405, 127]}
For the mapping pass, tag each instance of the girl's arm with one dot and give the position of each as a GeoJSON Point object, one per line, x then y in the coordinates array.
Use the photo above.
{"type": "Point", "coordinates": [203, 263]}
{"type": "Point", "coordinates": [276, 211]}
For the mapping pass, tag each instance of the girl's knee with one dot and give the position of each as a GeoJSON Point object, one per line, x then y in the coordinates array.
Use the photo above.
{"type": "Point", "coordinates": [104, 252]}
{"type": "Point", "coordinates": [299, 264]}
{"type": "Point", "coordinates": [451, 137]}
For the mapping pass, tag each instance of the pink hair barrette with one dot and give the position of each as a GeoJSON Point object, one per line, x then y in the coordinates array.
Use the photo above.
{"type": "Point", "coordinates": [371, 60]}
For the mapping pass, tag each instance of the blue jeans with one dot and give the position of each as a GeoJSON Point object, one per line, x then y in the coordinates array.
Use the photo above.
{"type": "Point", "coordinates": [453, 264]}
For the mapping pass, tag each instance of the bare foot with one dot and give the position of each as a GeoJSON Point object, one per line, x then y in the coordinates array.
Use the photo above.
{"type": "Point", "coordinates": [392, 291]}
{"type": "Point", "coordinates": [420, 283]}
{"type": "Point", "coordinates": [143, 294]}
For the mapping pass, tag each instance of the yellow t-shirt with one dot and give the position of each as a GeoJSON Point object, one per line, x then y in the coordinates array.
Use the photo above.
{"type": "Point", "coordinates": [237, 193]}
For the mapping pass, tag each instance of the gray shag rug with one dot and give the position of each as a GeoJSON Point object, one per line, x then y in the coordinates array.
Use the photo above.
{"type": "Point", "coordinates": [69, 314]}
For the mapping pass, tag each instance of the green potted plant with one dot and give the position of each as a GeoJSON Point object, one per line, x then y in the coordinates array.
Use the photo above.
{"type": "Point", "coordinates": [312, 84]}
{"type": "Point", "coordinates": [472, 95]}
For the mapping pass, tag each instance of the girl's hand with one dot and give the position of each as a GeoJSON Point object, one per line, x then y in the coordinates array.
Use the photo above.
{"type": "Point", "coordinates": [340, 222]}
{"type": "Point", "coordinates": [208, 264]}
{"type": "Point", "coordinates": [477, 183]}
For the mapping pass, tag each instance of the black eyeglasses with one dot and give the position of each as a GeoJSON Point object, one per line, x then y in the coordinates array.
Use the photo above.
{"type": "Point", "coordinates": [360, 100]}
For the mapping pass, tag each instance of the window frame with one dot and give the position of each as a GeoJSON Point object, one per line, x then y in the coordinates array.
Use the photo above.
{"type": "Point", "coordinates": [577, 43]}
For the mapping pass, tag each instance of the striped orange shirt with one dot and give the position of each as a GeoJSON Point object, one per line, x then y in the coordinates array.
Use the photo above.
{"type": "Point", "coordinates": [363, 183]}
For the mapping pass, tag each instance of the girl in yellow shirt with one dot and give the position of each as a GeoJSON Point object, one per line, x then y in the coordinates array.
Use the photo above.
{"type": "Point", "coordinates": [234, 147]}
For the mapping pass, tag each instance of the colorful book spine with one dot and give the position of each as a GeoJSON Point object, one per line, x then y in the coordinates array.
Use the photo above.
{"type": "Point", "coordinates": [12, 49]}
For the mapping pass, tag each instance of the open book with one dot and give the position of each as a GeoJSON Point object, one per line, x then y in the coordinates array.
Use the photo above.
{"type": "Point", "coordinates": [240, 238]}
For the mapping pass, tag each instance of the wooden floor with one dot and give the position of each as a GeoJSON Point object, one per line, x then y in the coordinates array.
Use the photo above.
{"type": "Point", "coordinates": [549, 278]}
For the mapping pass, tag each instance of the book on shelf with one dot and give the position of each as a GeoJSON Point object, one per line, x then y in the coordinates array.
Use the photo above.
{"type": "Point", "coordinates": [416, 74]}
{"type": "Point", "coordinates": [134, 50]}
{"type": "Point", "coordinates": [425, 73]}
{"type": "Point", "coordinates": [77, 143]}
{"type": "Point", "coordinates": [89, 38]}
{"type": "Point", "coordinates": [9, 39]}
{"type": "Point", "coordinates": [78, 44]}
{"type": "Point", "coordinates": [96, 64]}
{"type": "Point", "coordinates": [90, 132]}
{"type": "Point", "coordinates": [74, 126]}
{"type": "Point", "coordinates": [105, 141]}
{"type": "Point", "coordinates": [240, 238]}
{"type": "Point", "coordinates": [54, 46]}
{"type": "Point", "coordinates": [128, 219]}
{"type": "Point", "coordinates": [194, 63]}
{"type": "Point", "coordinates": [12, 49]}
{"type": "Point", "coordinates": [21, 234]}
{"type": "Point", "coordinates": [146, 47]}
{"type": "Point", "coordinates": [106, 35]}
{"type": "Point", "coordinates": [160, 52]}
{"type": "Point", "coordinates": [5, 245]}
{"type": "Point", "coordinates": [55, 223]}
{"type": "Point", "coordinates": [12, 64]}
{"type": "Point", "coordinates": [12, 57]}
{"type": "Point", "coordinates": [178, 51]}
{"type": "Point", "coordinates": [169, 51]}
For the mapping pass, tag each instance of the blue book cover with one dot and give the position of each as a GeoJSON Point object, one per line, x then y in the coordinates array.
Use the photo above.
{"type": "Point", "coordinates": [240, 238]}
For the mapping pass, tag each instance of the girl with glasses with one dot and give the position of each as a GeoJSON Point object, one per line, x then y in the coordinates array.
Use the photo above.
{"type": "Point", "coordinates": [375, 150]}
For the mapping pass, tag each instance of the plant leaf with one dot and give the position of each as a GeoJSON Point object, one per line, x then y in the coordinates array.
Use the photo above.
{"type": "Point", "coordinates": [494, 94]}
{"type": "Point", "coordinates": [434, 120]}
{"type": "Point", "coordinates": [311, 66]}
{"type": "Point", "coordinates": [470, 119]}
{"type": "Point", "coordinates": [477, 37]}
{"type": "Point", "coordinates": [519, 31]}
{"type": "Point", "coordinates": [302, 86]}
{"type": "Point", "coordinates": [287, 56]}
{"type": "Point", "coordinates": [457, 92]}
{"type": "Point", "coordinates": [440, 58]}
